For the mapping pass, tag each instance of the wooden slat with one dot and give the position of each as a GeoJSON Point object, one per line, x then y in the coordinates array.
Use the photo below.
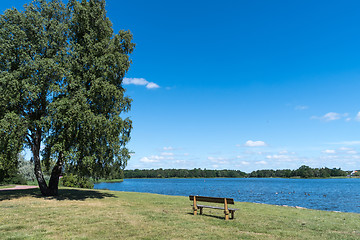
{"type": "Point", "coordinates": [212, 199]}
{"type": "Point", "coordinates": [205, 206]}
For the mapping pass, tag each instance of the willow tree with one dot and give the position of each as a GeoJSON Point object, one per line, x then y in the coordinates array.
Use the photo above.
{"type": "Point", "coordinates": [61, 75]}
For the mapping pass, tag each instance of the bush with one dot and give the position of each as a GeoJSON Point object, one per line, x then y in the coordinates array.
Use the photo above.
{"type": "Point", "coordinates": [72, 180]}
{"type": "Point", "coordinates": [15, 179]}
{"type": "Point", "coordinates": [26, 169]}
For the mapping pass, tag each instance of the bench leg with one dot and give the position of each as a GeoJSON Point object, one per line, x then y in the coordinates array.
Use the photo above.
{"type": "Point", "coordinates": [201, 209]}
{"type": "Point", "coordinates": [226, 215]}
{"type": "Point", "coordinates": [195, 211]}
{"type": "Point", "coordinates": [232, 214]}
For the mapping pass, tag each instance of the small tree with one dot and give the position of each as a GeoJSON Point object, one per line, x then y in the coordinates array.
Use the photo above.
{"type": "Point", "coordinates": [26, 169]}
{"type": "Point", "coordinates": [61, 78]}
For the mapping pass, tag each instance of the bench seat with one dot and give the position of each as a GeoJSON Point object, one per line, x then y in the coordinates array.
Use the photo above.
{"type": "Point", "coordinates": [221, 208]}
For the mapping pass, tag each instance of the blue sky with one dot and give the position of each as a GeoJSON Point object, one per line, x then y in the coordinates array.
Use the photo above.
{"type": "Point", "coordinates": [242, 84]}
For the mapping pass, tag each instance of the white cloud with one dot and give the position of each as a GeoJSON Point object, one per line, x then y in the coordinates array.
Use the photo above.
{"type": "Point", "coordinates": [135, 81]}
{"type": "Point", "coordinates": [329, 151]}
{"type": "Point", "coordinates": [245, 163]}
{"type": "Point", "coordinates": [250, 143]}
{"type": "Point", "coordinates": [140, 82]}
{"type": "Point", "coordinates": [148, 160]}
{"type": "Point", "coordinates": [180, 161]}
{"type": "Point", "coordinates": [151, 159]}
{"type": "Point", "coordinates": [349, 143]}
{"type": "Point", "coordinates": [331, 116]}
{"type": "Point", "coordinates": [352, 152]}
{"type": "Point", "coordinates": [301, 107]}
{"type": "Point", "coordinates": [218, 160]}
{"type": "Point", "coordinates": [357, 118]}
{"type": "Point", "coordinates": [168, 148]}
{"type": "Point", "coordinates": [345, 149]}
{"type": "Point", "coordinates": [261, 162]}
{"type": "Point", "coordinates": [277, 157]}
{"type": "Point", "coordinates": [167, 154]}
{"type": "Point", "coordinates": [152, 85]}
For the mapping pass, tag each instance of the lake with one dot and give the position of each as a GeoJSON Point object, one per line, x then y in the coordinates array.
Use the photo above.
{"type": "Point", "coordinates": [322, 194]}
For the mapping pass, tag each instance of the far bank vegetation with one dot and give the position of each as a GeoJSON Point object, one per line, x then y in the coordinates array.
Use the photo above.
{"type": "Point", "coordinates": [301, 172]}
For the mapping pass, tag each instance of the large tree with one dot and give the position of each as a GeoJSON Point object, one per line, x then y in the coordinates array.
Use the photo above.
{"type": "Point", "coordinates": [61, 75]}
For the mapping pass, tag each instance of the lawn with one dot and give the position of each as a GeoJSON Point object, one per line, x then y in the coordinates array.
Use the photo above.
{"type": "Point", "coordinates": [6, 186]}
{"type": "Point", "coordinates": [103, 214]}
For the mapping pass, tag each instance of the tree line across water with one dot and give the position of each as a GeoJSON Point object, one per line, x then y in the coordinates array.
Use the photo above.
{"type": "Point", "coordinates": [302, 172]}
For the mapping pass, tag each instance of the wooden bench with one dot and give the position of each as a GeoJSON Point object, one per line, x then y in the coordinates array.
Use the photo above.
{"type": "Point", "coordinates": [225, 201]}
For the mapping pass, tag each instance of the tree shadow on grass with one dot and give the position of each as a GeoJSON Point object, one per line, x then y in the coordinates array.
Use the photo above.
{"type": "Point", "coordinates": [64, 194]}
{"type": "Point", "coordinates": [208, 215]}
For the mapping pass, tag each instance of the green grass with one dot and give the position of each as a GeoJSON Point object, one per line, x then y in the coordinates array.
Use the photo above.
{"type": "Point", "coordinates": [7, 186]}
{"type": "Point", "coordinates": [109, 180]}
{"type": "Point", "coordinates": [102, 214]}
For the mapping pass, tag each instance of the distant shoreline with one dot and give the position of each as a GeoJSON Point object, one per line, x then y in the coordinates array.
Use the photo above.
{"type": "Point", "coordinates": [230, 177]}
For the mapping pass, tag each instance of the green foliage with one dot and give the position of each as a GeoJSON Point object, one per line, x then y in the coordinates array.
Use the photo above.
{"type": "Point", "coordinates": [26, 169]}
{"type": "Point", "coordinates": [15, 179]}
{"type": "Point", "coordinates": [302, 172]}
{"type": "Point", "coordinates": [10, 146]}
{"type": "Point", "coordinates": [71, 180]}
{"type": "Point", "coordinates": [61, 71]}
{"type": "Point", "coordinates": [85, 118]}
{"type": "Point", "coordinates": [182, 173]}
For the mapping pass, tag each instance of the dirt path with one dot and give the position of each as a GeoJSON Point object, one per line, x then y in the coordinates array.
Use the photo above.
{"type": "Point", "coordinates": [18, 187]}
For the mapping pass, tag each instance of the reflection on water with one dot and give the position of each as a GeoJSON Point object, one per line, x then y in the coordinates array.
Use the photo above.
{"type": "Point", "coordinates": [323, 194]}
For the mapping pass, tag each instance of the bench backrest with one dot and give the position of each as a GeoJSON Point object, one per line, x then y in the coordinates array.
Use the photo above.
{"type": "Point", "coordinates": [212, 199]}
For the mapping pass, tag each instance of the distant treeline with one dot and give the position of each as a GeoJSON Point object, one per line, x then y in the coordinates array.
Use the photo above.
{"type": "Point", "coordinates": [302, 172]}
{"type": "Point", "coordinates": [183, 173]}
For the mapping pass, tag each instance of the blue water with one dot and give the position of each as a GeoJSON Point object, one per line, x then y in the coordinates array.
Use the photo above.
{"type": "Point", "coordinates": [322, 194]}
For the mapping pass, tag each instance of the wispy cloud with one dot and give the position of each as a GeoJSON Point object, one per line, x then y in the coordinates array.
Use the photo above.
{"type": "Point", "coordinates": [352, 152]}
{"type": "Point", "coordinates": [218, 160]}
{"type": "Point", "coordinates": [168, 148]}
{"type": "Point", "coordinates": [357, 118]}
{"type": "Point", "coordinates": [347, 143]}
{"type": "Point", "coordinates": [278, 157]}
{"type": "Point", "coordinates": [140, 82]}
{"type": "Point", "coordinates": [167, 154]}
{"type": "Point", "coordinates": [251, 143]}
{"type": "Point", "coordinates": [301, 107]}
{"type": "Point", "coordinates": [331, 116]}
{"type": "Point", "coordinates": [329, 151]}
{"type": "Point", "coordinates": [261, 162]}
{"type": "Point", "coordinates": [152, 159]}
{"type": "Point", "coordinates": [158, 158]}
{"type": "Point", "coordinates": [345, 149]}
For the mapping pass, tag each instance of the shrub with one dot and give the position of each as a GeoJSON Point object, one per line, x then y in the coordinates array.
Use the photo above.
{"type": "Point", "coordinates": [15, 179]}
{"type": "Point", "coordinates": [72, 180]}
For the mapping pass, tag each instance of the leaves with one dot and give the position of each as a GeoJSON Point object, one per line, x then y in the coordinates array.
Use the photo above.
{"type": "Point", "coordinates": [61, 81]}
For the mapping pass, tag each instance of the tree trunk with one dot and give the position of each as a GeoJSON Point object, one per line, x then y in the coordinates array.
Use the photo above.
{"type": "Point", "coordinates": [55, 174]}
{"type": "Point", "coordinates": [52, 189]}
{"type": "Point", "coordinates": [37, 165]}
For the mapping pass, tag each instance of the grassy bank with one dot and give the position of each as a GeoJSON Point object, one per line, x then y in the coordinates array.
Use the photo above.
{"type": "Point", "coordinates": [101, 214]}
{"type": "Point", "coordinates": [108, 180]}
{"type": "Point", "coordinates": [6, 186]}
